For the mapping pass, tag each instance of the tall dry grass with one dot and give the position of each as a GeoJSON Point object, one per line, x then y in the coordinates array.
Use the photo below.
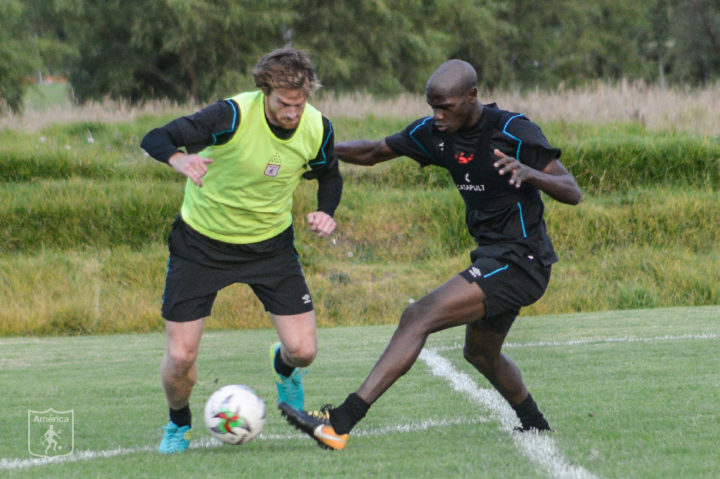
{"type": "Point", "coordinates": [107, 111]}
{"type": "Point", "coordinates": [695, 110]}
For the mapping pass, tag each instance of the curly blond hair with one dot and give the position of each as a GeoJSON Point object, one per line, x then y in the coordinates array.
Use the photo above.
{"type": "Point", "coordinates": [286, 68]}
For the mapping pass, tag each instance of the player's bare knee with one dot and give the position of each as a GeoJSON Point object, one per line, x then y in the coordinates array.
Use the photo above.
{"type": "Point", "coordinates": [301, 355]}
{"type": "Point", "coordinates": [415, 318]}
{"type": "Point", "coordinates": [482, 360]}
{"type": "Point", "coordinates": [181, 359]}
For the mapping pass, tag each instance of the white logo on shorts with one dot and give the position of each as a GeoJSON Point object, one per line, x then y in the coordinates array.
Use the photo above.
{"type": "Point", "coordinates": [475, 272]}
{"type": "Point", "coordinates": [306, 299]}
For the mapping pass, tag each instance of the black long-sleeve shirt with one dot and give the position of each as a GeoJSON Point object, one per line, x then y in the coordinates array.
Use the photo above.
{"type": "Point", "coordinates": [499, 216]}
{"type": "Point", "coordinates": [217, 123]}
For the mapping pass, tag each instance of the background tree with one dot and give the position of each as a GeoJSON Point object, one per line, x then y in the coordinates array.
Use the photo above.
{"type": "Point", "coordinates": [695, 30]}
{"type": "Point", "coordinates": [480, 32]}
{"type": "Point", "coordinates": [372, 45]}
{"type": "Point", "coordinates": [204, 49]}
{"type": "Point", "coordinates": [569, 42]}
{"type": "Point", "coordinates": [19, 55]}
{"type": "Point", "coordinates": [657, 42]}
{"type": "Point", "coordinates": [176, 49]}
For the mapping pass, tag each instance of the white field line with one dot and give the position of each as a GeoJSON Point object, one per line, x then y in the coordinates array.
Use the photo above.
{"type": "Point", "coordinates": [539, 448]}
{"type": "Point", "coordinates": [86, 455]}
{"type": "Point", "coordinates": [575, 342]}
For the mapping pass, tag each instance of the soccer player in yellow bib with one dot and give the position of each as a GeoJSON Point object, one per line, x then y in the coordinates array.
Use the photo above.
{"type": "Point", "coordinates": [244, 157]}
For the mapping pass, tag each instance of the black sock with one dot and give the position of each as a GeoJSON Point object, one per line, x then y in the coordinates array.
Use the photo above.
{"type": "Point", "coordinates": [281, 366]}
{"type": "Point", "coordinates": [344, 417]}
{"type": "Point", "coordinates": [181, 417]}
{"type": "Point", "coordinates": [530, 416]}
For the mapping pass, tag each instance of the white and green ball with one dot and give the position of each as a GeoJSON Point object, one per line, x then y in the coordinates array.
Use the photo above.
{"type": "Point", "coordinates": [234, 414]}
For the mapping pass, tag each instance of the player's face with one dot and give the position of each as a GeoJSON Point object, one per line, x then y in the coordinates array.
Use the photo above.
{"type": "Point", "coordinates": [450, 113]}
{"type": "Point", "coordinates": [284, 107]}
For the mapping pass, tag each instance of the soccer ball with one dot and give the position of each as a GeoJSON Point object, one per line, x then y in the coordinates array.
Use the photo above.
{"type": "Point", "coordinates": [234, 414]}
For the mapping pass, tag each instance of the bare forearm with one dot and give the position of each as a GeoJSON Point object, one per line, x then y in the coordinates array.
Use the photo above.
{"type": "Point", "coordinates": [562, 188]}
{"type": "Point", "coordinates": [364, 152]}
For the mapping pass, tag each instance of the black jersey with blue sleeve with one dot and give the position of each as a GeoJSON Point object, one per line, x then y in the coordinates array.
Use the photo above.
{"type": "Point", "coordinates": [503, 219]}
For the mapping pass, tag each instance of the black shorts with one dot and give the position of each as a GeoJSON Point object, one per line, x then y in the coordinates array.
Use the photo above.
{"type": "Point", "coordinates": [510, 282]}
{"type": "Point", "coordinates": [199, 267]}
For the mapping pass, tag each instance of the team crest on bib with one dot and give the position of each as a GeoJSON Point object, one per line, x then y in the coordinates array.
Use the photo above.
{"type": "Point", "coordinates": [273, 166]}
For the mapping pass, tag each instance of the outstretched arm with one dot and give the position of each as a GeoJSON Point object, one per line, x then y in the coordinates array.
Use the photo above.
{"type": "Point", "coordinates": [364, 152]}
{"type": "Point", "coordinates": [213, 125]}
{"type": "Point", "coordinates": [554, 179]}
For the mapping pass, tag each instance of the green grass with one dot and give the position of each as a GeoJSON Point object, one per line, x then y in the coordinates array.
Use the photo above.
{"type": "Point", "coordinates": [41, 96]}
{"type": "Point", "coordinates": [605, 158]}
{"type": "Point", "coordinates": [88, 257]}
{"type": "Point", "coordinates": [629, 393]}
{"type": "Point", "coordinates": [84, 217]}
{"type": "Point", "coordinates": [78, 213]}
{"type": "Point", "coordinates": [118, 290]}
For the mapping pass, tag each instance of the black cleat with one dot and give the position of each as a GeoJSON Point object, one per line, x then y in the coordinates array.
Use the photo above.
{"type": "Point", "coordinates": [315, 424]}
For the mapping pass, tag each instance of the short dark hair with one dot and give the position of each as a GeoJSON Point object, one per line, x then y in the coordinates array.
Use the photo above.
{"type": "Point", "coordinates": [452, 78]}
{"type": "Point", "coordinates": [286, 68]}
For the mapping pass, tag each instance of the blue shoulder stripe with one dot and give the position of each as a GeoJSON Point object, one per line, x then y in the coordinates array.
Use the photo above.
{"type": "Point", "coordinates": [415, 139]}
{"type": "Point", "coordinates": [322, 148]}
{"type": "Point", "coordinates": [233, 127]}
{"type": "Point", "coordinates": [517, 152]}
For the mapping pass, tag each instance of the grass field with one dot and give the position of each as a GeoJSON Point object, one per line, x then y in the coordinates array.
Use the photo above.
{"type": "Point", "coordinates": [631, 391]}
{"type": "Point", "coordinates": [631, 394]}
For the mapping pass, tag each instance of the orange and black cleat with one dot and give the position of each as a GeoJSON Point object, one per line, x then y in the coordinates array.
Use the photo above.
{"type": "Point", "coordinates": [315, 424]}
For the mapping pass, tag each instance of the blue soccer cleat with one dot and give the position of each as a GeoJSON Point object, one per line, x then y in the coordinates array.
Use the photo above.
{"type": "Point", "coordinates": [176, 439]}
{"type": "Point", "coordinates": [290, 389]}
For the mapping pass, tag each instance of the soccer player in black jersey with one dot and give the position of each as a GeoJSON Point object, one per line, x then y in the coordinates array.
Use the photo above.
{"type": "Point", "coordinates": [500, 161]}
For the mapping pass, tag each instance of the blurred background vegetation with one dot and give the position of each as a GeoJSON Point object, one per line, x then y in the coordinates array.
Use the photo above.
{"type": "Point", "coordinates": [629, 90]}
{"type": "Point", "coordinates": [84, 218]}
{"type": "Point", "coordinates": [201, 50]}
